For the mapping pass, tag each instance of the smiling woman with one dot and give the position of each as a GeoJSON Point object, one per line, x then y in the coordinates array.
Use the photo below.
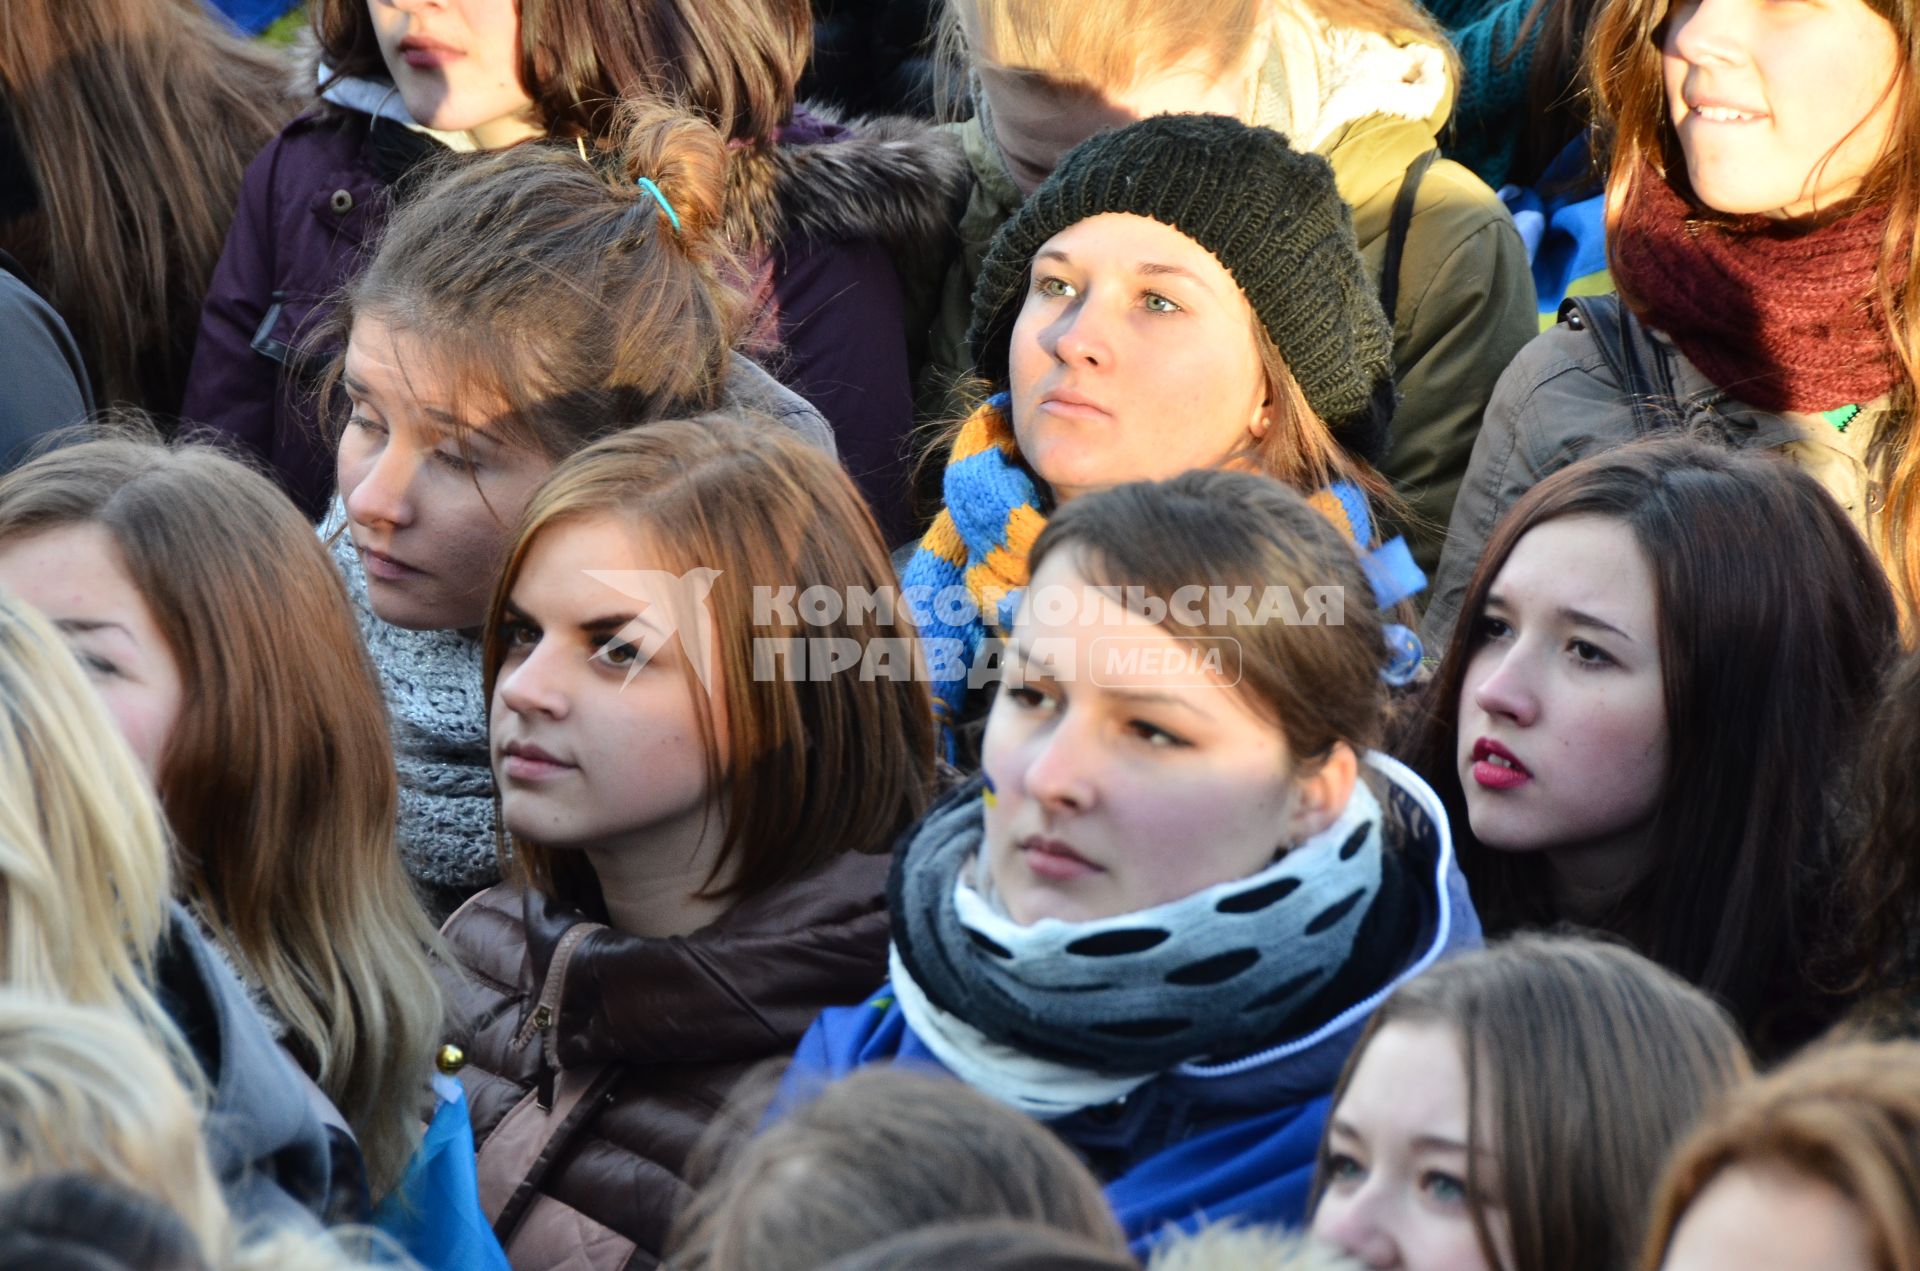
{"type": "Point", "coordinates": [1618, 746]}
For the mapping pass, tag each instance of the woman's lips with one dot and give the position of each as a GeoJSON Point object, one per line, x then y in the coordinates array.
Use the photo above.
{"type": "Point", "coordinates": [1496, 768]}
{"type": "Point", "coordinates": [426, 54]}
{"type": "Point", "coordinates": [520, 761]}
{"type": "Point", "coordinates": [1073, 406]}
{"type": "Point", "coordinates": [1054, 861]}
{"type": "Point", "coordinates": [384, 567]}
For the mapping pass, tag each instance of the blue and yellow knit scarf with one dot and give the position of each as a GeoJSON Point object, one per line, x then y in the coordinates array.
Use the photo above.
{"type": "Point", "coordinates": [980, 542]}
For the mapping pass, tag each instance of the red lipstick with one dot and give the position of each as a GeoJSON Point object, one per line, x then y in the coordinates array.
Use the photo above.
{"type": "Point", "coordinates": [1497, 768]}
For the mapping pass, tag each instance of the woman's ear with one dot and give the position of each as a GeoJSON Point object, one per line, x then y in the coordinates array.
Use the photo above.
{"type": "Point", "coordinates": [1321, 795]}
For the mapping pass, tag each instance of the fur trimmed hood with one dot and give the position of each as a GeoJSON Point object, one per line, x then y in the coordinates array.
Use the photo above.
{"type": "Point", "coordinates": [898, 180]}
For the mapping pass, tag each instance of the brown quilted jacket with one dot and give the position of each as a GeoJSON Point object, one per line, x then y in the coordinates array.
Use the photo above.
{"type": "Point", "coordinates": [650, 1036]}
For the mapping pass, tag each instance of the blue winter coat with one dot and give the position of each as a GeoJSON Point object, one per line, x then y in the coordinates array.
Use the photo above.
{"type": "Point", "coordinates": [1203, 1143]}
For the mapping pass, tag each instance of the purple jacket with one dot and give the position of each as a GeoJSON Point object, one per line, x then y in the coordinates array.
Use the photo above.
{"type": "Point", "coordinates": [829, 211]}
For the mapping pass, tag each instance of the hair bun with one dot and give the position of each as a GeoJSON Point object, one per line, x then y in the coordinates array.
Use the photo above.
{"type": "Point", "coordinates": [686, 160]}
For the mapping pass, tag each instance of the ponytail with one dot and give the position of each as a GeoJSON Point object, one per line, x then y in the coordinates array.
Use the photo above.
{"type": "Point", "coordinates": [564, 299]}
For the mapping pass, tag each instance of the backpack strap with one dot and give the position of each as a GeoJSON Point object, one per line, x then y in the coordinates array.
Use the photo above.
{"type": "Point", "coordinates": [1397, 228]}
{"type": "Point", "coordinates": [1641, 364]}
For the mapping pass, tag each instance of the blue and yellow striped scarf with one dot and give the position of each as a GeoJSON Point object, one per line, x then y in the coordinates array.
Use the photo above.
{"type": "Point", "coordinates": [980, 542]}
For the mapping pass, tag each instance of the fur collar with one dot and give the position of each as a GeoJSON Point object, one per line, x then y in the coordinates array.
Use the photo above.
{"type": "Point", "coordinates": [898, 180]}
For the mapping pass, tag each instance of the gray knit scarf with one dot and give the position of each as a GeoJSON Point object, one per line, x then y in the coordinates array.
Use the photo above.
{"type": "Point", "coordinates": [437, 708]}
{"type": "Point", "coordinates": [1056, 1016]}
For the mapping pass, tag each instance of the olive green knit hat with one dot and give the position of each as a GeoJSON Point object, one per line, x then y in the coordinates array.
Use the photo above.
{"type": "Point", "coordinates": [1268, 213]}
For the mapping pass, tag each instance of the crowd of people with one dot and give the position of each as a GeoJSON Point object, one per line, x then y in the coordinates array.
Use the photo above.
{"type": "Point", "coordinates": [608, 661]}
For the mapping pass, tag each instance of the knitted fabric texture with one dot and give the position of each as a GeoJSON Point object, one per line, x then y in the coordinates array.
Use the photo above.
{"type": "Point", "coordinates": [1781, 317]}
{"type": "Point", "coordinates": [432, 684]}
{"type": "Point", "coordinates": [964, 579]}
{"type": "Point", "coordinates": [1271, 215]}
{"type": "Point", "coordinates": [1215, 974]}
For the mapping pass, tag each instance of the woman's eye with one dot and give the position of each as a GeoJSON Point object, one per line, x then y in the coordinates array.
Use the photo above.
{"type": "Point", "coordinates": [1491, 628]}
{"type": "Point", "coordinates": [455, 462]}
{"type": "Point", "coordinates": [1157, 303]}
{"type": "Point", "coordinates": [1054, 288]}
{"type": "Point", "coordinates": [617, 653]}
{"type": "Point", "coordinates": [1447, 1189]}
{"type": "Point", "coordinates": [1153, 734]}
{"type": "Point", "coordinates": [357, 420]}
{"type": "Point", "coordinates": [1024, 696]}
{"type": "Point", "coordinates": [518, 635]}
{"type": "Point", "coordinates": [1342, 1168]}
{"type": "Point", "coordinates": [1589, 654]}
{"type": "Point", "coordinates": [94, 664]}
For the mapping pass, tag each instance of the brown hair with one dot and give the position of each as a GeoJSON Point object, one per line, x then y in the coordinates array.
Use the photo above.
{"type": "Point", "coordinates": [947, 1153]}
{"type": "Point", "coordinates": [1623, 57]}
{"type": "Point", "coordinates": [814, 766]}
{"type": "Point", "coordinates": [735, 62]}
{"type": "Point", "coordinates": [138, 119]}
{"type": "Point", "coordinates": [1319, 682]}
{"type": "Point", "coordinates": [1846, 1115]}
{"type": "Point", "coordinates": [278, 780]}
{"type": "Point", "coordinates": [561, 300]}
{"type": "Point", "coordinates": [998, 1244]}
{"type": "Point", "coordinates": [1775, 622]}
{"type": "Point", "coordinates": [1577, 1054]}
{"type": "Point", "coordinates": [1880, 896]}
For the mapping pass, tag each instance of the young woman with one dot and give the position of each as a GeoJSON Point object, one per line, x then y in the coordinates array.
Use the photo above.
{"type": "Point", "coordinates": [1181, 293]}
{"type": "Point", "coordinates": [217, 632]}
{"type": "Point", "coordinates": [1366, 84]}
{"type": "Point", "coordinates": [128, 125]}
{"type": "Point", "coordinates": [1160, 916]}
{"type": "Point", "coordinates": [402, 82]}
{"type": "Point", "coordinates": [517, 309]}
{"type": "Point", "coordinates": [697, 819]}
{"type": "Point", "coordinates": [1759, 212]}
{"type": "Point", "coordinates": [1813, 1166]}
{"type": "Point", "coordinates": [949, 1155]}
{"type": "Point", "coordinates": [1506, 1109]}
{"type": "Point", "coordinates": [1655, 641]}
{"type": "Point", "coordinates": [84, 903]}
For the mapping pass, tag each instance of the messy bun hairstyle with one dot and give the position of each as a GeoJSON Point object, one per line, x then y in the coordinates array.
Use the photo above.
{"type": "Point", "coordinates": [558, 296]}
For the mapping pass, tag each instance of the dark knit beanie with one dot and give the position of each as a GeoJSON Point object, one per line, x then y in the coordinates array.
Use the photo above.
{"type": "Point", "coordinates": [1268, 213]}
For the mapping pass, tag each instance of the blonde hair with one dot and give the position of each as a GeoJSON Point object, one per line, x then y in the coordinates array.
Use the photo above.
{"type": "Point", "coordinates": [278, 781]}
{"type": "Point", "coordinates": [83, 852]}
{"type": "Point", "coordinates": [1846, 1115]}
{"type": "Point", "coordinates": [1114, 44]}
{"type": "Point", "coordinates": [83, 1092]}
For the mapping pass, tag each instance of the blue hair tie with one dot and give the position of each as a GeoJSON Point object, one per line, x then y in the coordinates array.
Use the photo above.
{"type": "Point", "coordinates": [646, 183]}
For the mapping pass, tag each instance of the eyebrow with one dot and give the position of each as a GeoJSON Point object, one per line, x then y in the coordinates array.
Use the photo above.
{"type": "Point", "coordinates": [613, 622]}
{"type": "Point", "coordinates": [83, 626]}
{"type": "Point", "coordinates": [448, 421]}
{"type": "Point", "coordinates": [1146, 268]}
{"type": "Point", "coordinates": [1566, 613]}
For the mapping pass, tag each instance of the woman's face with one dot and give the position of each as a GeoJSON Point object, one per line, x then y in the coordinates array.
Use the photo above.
{"type": "Point", "coordinates": [431, 520]}
{"type": "Point", "coordinates": [595, 728]}
{"type": "Point", "coordinates": [1782, 106]}
{"type": "Point", "coordinates": [1397, 1149]}
{"type": "Point", "coordinates": [1133, 358]}
{"type": "Point", "coordinates": [1562, 742]}
{"type": "Point", "coordinates": [75, 576]}
{"type": "Point", "coordinates": [1126, 770]}
{"type": "Point", "coordinates": [1768, 1219]}
{"type": "Point", "coordinates": [456, 64]}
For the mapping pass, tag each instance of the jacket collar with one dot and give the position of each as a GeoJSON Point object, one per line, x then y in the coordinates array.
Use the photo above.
{"type": "Point", "coordinates": [743, 988]}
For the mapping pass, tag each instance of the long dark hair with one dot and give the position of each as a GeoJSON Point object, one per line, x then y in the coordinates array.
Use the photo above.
{"type": "Point", "coordinates": [1878, 948]}
{"type": "Point", "coordinates": [1775, 621]}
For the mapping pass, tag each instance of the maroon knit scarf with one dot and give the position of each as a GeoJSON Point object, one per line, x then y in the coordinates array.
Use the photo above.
{"type": "Point", "coordinates": [1782, 317]}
